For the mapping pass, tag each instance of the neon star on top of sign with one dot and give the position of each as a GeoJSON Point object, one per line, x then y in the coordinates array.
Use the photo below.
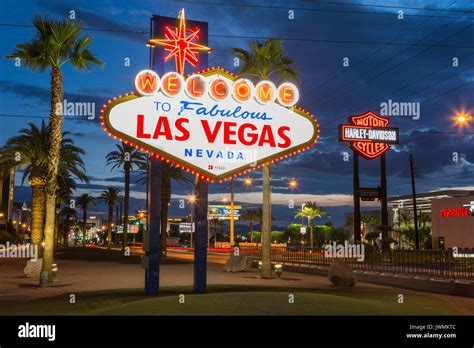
{"type": "Point", "coordinates": [181, 46]}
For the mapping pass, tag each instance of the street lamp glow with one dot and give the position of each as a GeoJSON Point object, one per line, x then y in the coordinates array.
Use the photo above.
{"type": "Point", "coordinates": [192, 199]}
{"type": "Point", "coordinates": [293, 183]}
{"type": "Point", "coordinates": [247, 181]}
{"type": "Point", "coordinates": [463, 118]}
{"type": "Point", "coordinates": [224, 200]}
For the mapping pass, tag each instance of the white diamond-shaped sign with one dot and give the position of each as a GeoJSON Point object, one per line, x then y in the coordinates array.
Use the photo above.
{"type": "Point", "coordinates": [216, 139]}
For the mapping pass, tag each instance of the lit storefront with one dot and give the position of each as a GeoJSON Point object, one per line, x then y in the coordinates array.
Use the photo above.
{"type": "Point", "coordinates": [452, 216]}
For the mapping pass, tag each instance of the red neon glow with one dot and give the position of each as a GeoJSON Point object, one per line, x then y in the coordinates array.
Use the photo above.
{"type": "Point", "coordinates": [265, 92]}
{"type": "Point", "coordinates": [454, 212]}
{"type": "Point", "coordinates": [219, 89]}
{"type": "Point", "coordinates": [181, 46]}
{"type": "Point", "coordinates": [369, 149]}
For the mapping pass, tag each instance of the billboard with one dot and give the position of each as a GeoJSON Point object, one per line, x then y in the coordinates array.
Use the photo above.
{"type": "Point", "coordinates": [212, 123]}
{"type": "Point", "coordinates": [368, 134]}
{"type": "Point", "coordinates": [222, 212]}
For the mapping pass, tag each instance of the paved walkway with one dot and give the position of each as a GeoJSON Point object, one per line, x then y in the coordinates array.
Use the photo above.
{"type": "Point", "coordinates": [79, 275]}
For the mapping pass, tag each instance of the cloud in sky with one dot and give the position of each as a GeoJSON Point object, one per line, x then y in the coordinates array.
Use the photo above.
{"type": "Point", "coordinates": [329, 90]}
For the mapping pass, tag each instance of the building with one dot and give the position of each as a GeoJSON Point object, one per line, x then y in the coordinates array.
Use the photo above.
{"type": "Point", "coordinates": [452, 216]}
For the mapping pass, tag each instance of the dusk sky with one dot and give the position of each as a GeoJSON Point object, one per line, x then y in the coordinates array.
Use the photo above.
{"type": "Point", "coordinates": [426, 57]}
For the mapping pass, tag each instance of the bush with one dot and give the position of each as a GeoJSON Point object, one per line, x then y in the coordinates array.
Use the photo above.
{"type": "Point", "coordinates": [256, 236]}
{"type": "Point", "coordinates": [293, 232]}
{"type": "Point", "coordinates": [278, 236]}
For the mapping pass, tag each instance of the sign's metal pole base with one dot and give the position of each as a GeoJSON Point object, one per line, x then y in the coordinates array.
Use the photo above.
{"type": "Point", "coordinates": [152, 240]}
{"type": "Point", "coordinates": [200, 243]}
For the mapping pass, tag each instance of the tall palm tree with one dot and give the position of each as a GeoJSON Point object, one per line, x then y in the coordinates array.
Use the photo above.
{"type": "Point", "coordinates": [56, 43]}
{"type": "Point", "coordinates": [110, 196]}
{"type": "Point", "coordinates": [84, 201]}
{"type": "Point", "coordinates": [67, 213]}
{"type": "Point", "coordinates": [129, 158]}
{"type": "Point", "coordinates": [215, 222]}
{"type": "Point", "coordinates": [29, 150]}
{"type": "Point", "coordinates": [249, 215]}
{"type": "Point", "coordinates": [311, 211]}
{"type": "Point", "coordinates": [261, 62]}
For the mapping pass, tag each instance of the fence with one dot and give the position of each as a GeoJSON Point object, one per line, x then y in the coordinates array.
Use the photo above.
{"type": "Point", "coordinates": [429, 263]}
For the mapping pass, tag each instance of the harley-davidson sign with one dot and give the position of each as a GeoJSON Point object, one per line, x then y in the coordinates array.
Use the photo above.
{"type": "Point", "coordinates": [211, 123]}
{"type": "Point", "coordinates": [368, 134]}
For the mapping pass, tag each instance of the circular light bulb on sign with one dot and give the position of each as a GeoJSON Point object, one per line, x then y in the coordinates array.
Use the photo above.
{"type": "Point", "coordinates": [195, 86]}
{"type": "Point", "coordinates": [172, 84]}
{"type": "Point", "coordinates": [288, 94]}
{"type": "Point", "coordinates": [147, 82]}
{"type": "Point", "coordinates": [265, 92]}
{"type": "Point", "coordinates": [219, 88]}
{"type": "Point", "coordinates": [242, 90]}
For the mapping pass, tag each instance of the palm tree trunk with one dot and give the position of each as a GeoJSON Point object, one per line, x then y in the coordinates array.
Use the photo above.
{"type": "Point", "coordinates": [311, 233]}
{"type": "Point", "coordinates": [37, 211]}
{"type": "Point", "coordinates": [84, 226]}
{"type": "Point", "coordinates": [266, 270]}
{"type": "Point", "coordinates": [56, 226]}
{"type": "Point", "coordinates": [165, 199]}
{"type": "Point", "coordinates": [125, 205]}
{"type": "Point", "coordinates": [54, 147]}
{"type": "Point", "coordinates": [109, 226]}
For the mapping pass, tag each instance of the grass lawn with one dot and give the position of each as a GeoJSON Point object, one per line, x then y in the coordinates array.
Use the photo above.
{"type": "Point", "coordinates": [232, 300]}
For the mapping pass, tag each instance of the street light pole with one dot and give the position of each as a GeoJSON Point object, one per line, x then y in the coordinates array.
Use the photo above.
{"type": "Point", "coordinates": [232, 212]}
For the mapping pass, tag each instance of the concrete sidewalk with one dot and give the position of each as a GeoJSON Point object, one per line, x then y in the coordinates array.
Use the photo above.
{"type": "Point", "coordinates": [78, 275]}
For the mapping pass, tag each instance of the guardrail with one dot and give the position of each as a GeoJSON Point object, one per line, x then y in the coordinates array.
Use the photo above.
{"type": "Point", "coordinates": [429, 263]}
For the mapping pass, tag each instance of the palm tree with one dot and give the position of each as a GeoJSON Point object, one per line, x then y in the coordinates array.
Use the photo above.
{"type": "Point", "coordinates": [110, 196]}
{"type": "Point", "coordinates": [261, 62]}
{"type": "Point", "coordinates": [67, 212]}
{"type": "Point", "coordinates": [249, 215]}
{"type": "Point", "coordinates": [311, 210]}
{"type": "Point", "coordinates": [84, 201]}
{"type": "Point", "coordinates": [56, 43]}
{"type": "Point", "coordinates": [215, 222]}
{"type": "Point", "coordinates": [127, 157]}
{"type": "Point", "coordinates": [29, 150]}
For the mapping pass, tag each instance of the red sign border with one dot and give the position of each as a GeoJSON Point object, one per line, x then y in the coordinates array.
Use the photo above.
{"type": "Point", "coordinates": [208, 176]}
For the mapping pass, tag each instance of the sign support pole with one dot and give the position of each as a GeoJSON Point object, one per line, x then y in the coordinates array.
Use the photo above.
{"type": "Point", "coordinates": [356, 198]}
{"type": "Point", "coordinates": [152, 242]}
{"type": "Point", "coordinates": [200, 243]}
{"type": "Point", "coordinates": [383, 198]}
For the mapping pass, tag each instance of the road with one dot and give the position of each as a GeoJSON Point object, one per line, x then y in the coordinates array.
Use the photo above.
{"type": "Point", "coordinates": [212, 257]}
